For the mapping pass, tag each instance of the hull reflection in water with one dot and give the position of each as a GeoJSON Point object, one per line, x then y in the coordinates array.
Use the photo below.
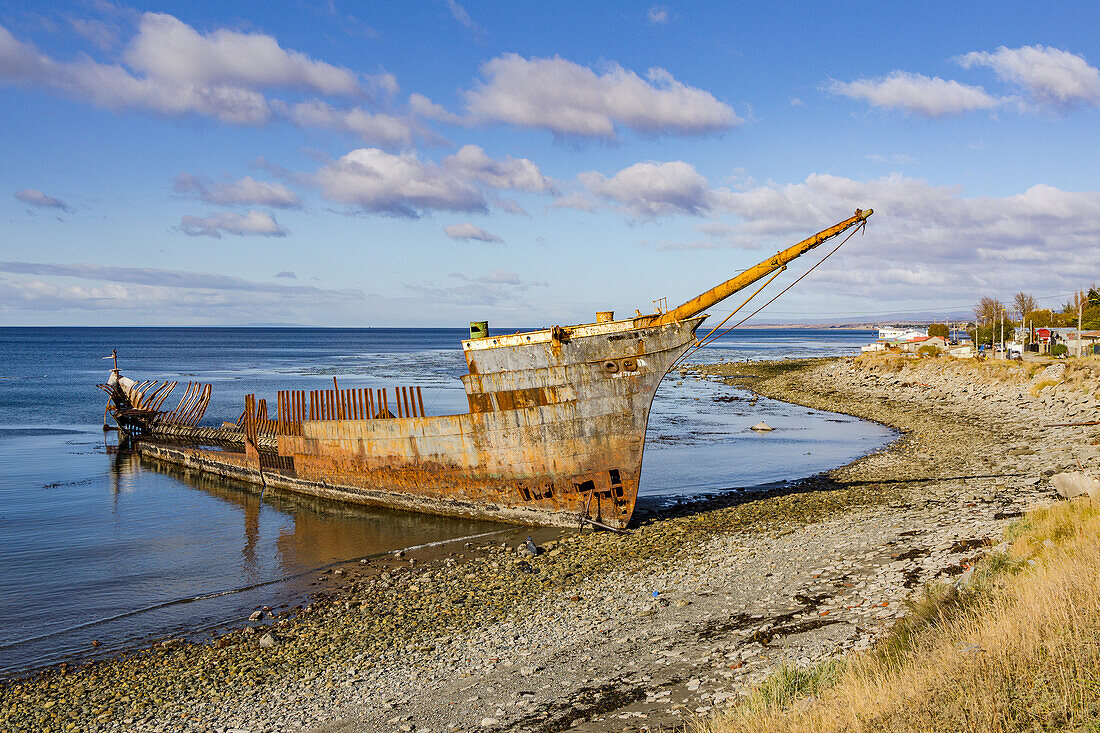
{"type": "Point", "coordinates": [322, 531]}
{"type": "Point", "coordinates": [175, 553]}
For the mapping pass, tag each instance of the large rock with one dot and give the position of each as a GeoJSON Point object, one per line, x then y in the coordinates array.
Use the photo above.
{"type": "Point", "coordinates": [1055, 372]}
{"type": "Point", "coordinates": [1076, 483]}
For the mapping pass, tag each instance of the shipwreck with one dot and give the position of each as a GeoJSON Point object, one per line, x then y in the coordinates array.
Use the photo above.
{"type": "Point", "coordinates": [554, 434]}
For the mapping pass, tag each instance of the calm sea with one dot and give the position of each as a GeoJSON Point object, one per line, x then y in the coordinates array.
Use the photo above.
{"type": "Point", "coordinates": [96, 546]}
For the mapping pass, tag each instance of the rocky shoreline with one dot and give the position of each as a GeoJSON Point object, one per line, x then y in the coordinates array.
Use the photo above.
{"type": "Point", "coordinates": [627, 632]}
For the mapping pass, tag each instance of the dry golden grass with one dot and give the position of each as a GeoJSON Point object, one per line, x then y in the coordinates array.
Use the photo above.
{"type": "Point", "coordinates": [1081, 373]}
{"type": "Point", "coordinates": [1019, 652]}
{"type": "Point", "coordinates": [1043, 384]}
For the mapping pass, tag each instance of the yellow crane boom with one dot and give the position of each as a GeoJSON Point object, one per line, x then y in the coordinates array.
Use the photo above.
{"type": "Point", "coordinates": [722, 291]}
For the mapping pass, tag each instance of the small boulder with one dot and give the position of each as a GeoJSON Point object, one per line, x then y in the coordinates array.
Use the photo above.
{"type": "Point", "coordinates": [762, 427]}
{"type": "Point", "coordinates": [1075, 483]}
{"type": "Point", "coordinates": [256, 616]}
{"type": "Point", "coordinates": [267, 641]}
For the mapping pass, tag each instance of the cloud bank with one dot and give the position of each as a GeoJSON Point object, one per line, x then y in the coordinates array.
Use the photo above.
{"type": "Point", "coordinates": [916, 93]}
{"type": "Point", "coordinates": [652, 189]}
{"type": "Point", "coordinates": [1050, 77]}
{"type": "Point", "coordinates": [254, 223]}
{"type": "Point", "coordinates": [244, 192]}
{"type": "Point", "coordinates": [205, 297]}
{"type": "Point", "coordinates": [169, 68]}
{"type": "Point", "coordinates": [572, 100]}
{"type": "Point", "coordinates": [371, 180]}
{"type": "Point", "coordinates": [473, 164]}
{"type": "Point", "coordinates": [469, 231]}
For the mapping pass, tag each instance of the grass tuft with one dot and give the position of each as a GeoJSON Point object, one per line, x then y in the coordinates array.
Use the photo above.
{"type": "Point", "coordinates": [790, 684]}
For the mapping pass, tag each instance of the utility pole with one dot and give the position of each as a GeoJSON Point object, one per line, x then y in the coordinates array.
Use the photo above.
{"type": "Point", "coordinates": [1080, 312]}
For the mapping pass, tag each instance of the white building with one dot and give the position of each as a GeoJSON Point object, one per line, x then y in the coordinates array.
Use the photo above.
{"type": "Point", "coordinates": [891, 333]}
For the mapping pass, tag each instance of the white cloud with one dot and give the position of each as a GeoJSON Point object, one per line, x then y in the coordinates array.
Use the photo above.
{"type": "Point", "coordinates": [653, 189]}
{"type": "Point", "coordinates": [151, 276]}
{"type": "Point", "coordinates": [459, 13]}
{"type": "Point", "coordinates": [244, 192]}
{"type": "Point", "coordinates": [374, 128]}
{"type": "Point", "coordinates": [576, 200]}
{"type": "Point", "coordinates": [1052, 76]}
{"type": "Point", "coordinates": [172, 69]}
{"type": "Point", "coordinates": [145, 294]}
{"type": "Point", "coordinates": [228, 222]}
{"type": "Point", "coordinates": [657, 15]}
{"type": "Point", "coordinates": [167, 48]}
{"type": "Point", "coordinates": [916, 93]}
{"type": "Point", "coordinates": [114, 87]}
{"type": "Point", "coordinates": [34, 197]}
{"type": "Point", "coordinates": [423, 107]}
{"type": "Point", "coordinates": [467, 230]}
{"type": "Point", "coordinates": [569, 99]}
{"type": "Point", "coordinates": [373, 180]}
{"type": "Point", "coordinates": [103, 34]}
{"type": "Point", "coordinates": [474, 164]}
{"type": "Point", "coordinates": [926, 241]}
{"type": "Point", "coordinates": [508, 206]}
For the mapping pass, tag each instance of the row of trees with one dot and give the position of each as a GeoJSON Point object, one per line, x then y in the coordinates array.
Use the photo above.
{"type": "Point", "coordinates": [991, 315]}
{"type": "Point", "coordinates": [991, 318]}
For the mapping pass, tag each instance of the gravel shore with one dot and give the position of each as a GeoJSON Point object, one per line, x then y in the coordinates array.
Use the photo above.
{"type": "Point", "coordinates": [640, 631]}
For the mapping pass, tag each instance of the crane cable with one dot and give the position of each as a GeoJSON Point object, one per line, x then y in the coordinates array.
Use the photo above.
{"type": "Point", "coordinates": [700, 343]}
{"type": "Point", "coordinates": [708, 339]}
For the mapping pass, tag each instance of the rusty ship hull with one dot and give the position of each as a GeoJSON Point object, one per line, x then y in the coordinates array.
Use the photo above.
{"type": "Point", "coordinates": [554, 434]}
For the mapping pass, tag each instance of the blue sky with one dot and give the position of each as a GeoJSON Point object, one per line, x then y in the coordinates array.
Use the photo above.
{"type": "Point", "coordinates": [430, 163]}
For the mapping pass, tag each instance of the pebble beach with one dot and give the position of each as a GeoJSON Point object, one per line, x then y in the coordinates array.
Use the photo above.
{"type": "Point", "coordinates": [627, 632]}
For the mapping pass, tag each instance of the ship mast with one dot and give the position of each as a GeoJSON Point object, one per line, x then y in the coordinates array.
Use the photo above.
{"type": "Point", "coordinates": [720, 292]}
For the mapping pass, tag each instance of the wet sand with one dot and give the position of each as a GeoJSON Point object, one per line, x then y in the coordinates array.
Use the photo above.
{"type": "Point", "coordinates": [606, 631]}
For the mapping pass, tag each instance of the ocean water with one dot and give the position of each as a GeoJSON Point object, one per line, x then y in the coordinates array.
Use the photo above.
{"type": "Point", "coordinates": [95, 546]}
